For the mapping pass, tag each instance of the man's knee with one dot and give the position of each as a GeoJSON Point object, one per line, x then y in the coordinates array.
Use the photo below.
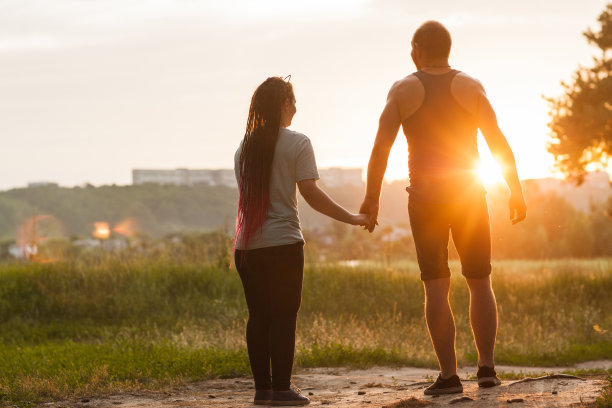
{"type": "Point", "coordinates": [437, 288]}
{"type": "Point", "coordinates": [479, 283]}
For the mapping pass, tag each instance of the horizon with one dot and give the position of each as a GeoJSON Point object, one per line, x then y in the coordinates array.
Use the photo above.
{"type": "Point", "coordinates": [489, 183]}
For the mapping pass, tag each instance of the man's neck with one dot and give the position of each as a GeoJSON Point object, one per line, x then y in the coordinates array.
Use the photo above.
{"type": "Point", "coordinates": [435, 65]}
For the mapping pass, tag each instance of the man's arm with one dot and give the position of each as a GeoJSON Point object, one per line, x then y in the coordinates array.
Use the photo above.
{"type": "Point", "coordinates": [487, 122]}
{"type": "Point", "coordinates": [388, 127]}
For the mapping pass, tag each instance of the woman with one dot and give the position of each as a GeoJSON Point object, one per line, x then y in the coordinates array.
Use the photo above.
{"type": "Point", "coordinates": [269, 163]}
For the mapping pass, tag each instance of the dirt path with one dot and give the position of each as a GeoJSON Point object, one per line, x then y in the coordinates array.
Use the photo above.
{"type": "Point", "coordinates": [376, 387]}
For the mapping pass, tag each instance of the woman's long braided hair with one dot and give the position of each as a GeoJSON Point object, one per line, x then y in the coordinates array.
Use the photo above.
{"type": "Point", "coordinates": [263, 126]}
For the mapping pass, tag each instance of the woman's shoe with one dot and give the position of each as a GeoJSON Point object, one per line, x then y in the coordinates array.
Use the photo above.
{"type": "Point", "coordinates": [290, 397]}
{"type": "Point", "coordinates": [263, 397]}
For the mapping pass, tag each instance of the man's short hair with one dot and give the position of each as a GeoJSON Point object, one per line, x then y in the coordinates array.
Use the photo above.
{"type": "Point", "coordinates": [433, 39]}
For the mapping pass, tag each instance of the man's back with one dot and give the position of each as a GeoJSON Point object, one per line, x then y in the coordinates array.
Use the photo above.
{"type": "Point", "coordinates": [439, 118]}
{"type": "Point", "coordinates": [409, 92]}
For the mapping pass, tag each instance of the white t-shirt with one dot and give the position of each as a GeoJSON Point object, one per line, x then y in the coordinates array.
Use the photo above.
{"type": "Point", "coordinates": [294, 161]}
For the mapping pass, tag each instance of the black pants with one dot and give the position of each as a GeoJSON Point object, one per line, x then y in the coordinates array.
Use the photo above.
{"type": "Point", "coordinates": [272, 282]}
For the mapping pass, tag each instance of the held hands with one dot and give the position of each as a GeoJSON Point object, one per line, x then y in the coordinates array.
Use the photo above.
{"type": "Point", "coordinates": [517, 207]}
{"type": "Point", "coordinates": [369, 208]}
{"type": "Point", "coordinates": [362, 220]}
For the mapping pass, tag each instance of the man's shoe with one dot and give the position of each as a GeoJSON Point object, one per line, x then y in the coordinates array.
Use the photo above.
{"type": "Point", "coordinates": [292, 397]}
{"type": "Point", "coordinates": [450, 385]}
{"type": "Point", "coordinates": [263, 397]}
{"type": "Point", "coordinates": [487, 377]}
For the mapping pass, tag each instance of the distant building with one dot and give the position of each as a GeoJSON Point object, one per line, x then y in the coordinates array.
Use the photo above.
{"type": "Point", "coordinates": [23, 251]}
{"type": "Point", "coordinates": [184, 177]}
{"type": "Point", "coordinates": [338, 176]}
{"type": "Point", "coordinates": [330, 177]}
{"type": "Point", "coordinates": [42, 184]}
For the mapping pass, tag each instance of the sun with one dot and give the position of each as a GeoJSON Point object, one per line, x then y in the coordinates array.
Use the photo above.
{"type": "Point", "coordinates": [489, 171]}
{"type": "Point", "coordinates": [532, 162]}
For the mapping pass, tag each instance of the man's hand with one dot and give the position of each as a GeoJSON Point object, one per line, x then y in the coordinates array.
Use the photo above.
{"type": "Point", "coordinates": [517, 207]}
{"type": "Point", "coordinates": [362, 220]}
{"type": "Point", "coordinates": [370, 208]}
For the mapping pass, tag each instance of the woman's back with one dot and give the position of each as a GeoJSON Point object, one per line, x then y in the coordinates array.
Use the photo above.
{"type": "Point", "coordinates": [293, 161]}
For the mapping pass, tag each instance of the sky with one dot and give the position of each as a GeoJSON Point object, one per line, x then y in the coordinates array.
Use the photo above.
{"type": "Point", "coordinates": [90, 89]}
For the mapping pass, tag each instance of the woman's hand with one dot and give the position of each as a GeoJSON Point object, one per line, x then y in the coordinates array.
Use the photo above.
{"type": "Point", "coordinates": [361, 219]}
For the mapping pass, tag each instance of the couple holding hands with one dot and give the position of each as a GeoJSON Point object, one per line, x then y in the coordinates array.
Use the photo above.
{"type": "Point", "coordinates": [440, 111]}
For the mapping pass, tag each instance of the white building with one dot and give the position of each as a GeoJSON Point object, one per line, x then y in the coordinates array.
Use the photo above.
{"type": "Point", "coordinates": [330, 177]}
{"type": "Point", "coordinates": [338, 176]}
{"type": "Point", "coordinates": [184, 177]}
{"type": "Point", "coordinates": [34, 184]}
{"type": "Point", "coordinates": [23, 251]}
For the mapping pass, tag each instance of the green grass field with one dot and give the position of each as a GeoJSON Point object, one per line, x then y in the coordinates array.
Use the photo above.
{"type": "Point", "coordinates": [79, 329]}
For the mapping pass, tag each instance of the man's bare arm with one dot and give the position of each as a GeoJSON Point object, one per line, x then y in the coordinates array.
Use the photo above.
{"type": "Point", "coordinates": [388, 127]}
{"type": "Point", "coordinates": [498, 144]}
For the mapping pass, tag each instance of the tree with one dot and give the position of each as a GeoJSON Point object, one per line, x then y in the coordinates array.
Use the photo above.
{"type": "Point", "coordinates": [581, 118]}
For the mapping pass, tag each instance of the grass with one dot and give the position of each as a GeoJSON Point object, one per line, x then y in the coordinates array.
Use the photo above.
{"type": "Point", "coordinates": [77, 329]}
{"type": "Point", "coordinates": [605, 400]}
{"type": "Point", "coordinates": [68, 369]}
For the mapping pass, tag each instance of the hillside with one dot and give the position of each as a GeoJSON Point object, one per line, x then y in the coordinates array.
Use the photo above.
{"type": "Point", "coordinates": [596, 188]}
{"type": "Point", "coordinates": [157, 210]}
{"type": "Point", "coordinates": [160, 210]}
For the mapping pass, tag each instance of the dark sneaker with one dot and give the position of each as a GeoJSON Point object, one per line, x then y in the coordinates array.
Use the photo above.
{"type": "Point", "coordinates": [292, 396]}
{"type": "Point", "coordinates": [487, 377]}
{"type": "Point", "coordinates": [263, 397]}
{"type": "Point", "coordinates": [450, 385]}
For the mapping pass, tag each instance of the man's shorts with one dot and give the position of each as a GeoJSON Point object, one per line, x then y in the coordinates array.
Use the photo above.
{"type": "Point", "coordinates": [468, 221]}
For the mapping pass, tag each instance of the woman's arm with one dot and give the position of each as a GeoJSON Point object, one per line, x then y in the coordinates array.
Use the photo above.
{"type": "Point", "coordinates": [322, 203]}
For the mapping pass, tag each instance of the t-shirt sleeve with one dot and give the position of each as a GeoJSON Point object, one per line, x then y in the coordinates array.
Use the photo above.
{"type": "Point", "coordinates": [237, 165]}
{"type": "Point", "coordinates": [305, 163]}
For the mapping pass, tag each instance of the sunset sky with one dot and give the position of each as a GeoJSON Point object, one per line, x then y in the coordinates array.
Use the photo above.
{"type": "Point", "coordinates": [91, 89]}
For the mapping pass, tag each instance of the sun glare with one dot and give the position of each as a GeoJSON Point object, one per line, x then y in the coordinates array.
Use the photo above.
{"type": "Point", "coordinates": [490, 172]}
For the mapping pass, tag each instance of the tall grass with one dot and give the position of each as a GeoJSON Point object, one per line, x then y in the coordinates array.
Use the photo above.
{"type": "Point", "coordinates": [80, 328]}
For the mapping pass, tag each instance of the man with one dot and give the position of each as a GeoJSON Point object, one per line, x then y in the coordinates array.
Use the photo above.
{"type": "Point", "coordinates": [440, 110]}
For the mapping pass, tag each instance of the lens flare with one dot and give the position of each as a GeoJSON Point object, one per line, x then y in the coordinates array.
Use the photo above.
{"type": "Point", "coordinates": [101, 230]}
{"type": "Point", "coordinates": [489, 172]}
{"type": "Point", "coordinates": [40, 238]}
{"type": "Point", "coordinates": [127, 227]}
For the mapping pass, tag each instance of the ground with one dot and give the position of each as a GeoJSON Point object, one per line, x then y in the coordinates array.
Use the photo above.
{"type": "Point", "coordinates": [375, 387]}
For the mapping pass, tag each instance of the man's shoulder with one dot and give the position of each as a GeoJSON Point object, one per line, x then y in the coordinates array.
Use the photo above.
{"type": "Point", "coordinates": [464, 79]}
{"type": "Point", "coordinates": [406, 89]}
{"type": "Point", "coordinates": [409, 82]}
